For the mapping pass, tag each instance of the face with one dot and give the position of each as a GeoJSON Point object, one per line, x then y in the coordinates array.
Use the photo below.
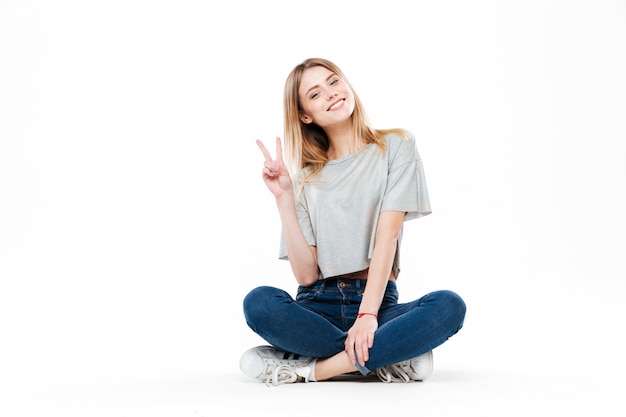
{"type": "Point", "coordinates": [325, 98]}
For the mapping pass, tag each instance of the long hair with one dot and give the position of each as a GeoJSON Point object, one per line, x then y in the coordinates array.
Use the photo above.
{"type": "Point", "coordinates": [306, 145]}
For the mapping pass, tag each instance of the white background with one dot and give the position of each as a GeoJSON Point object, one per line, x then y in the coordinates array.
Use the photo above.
{"type": "Point", "coordinates": [133, 219]}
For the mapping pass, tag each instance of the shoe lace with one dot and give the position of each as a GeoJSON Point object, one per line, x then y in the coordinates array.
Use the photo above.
{"type": "Point", "coordinates": [279, 374]}
{"type": "Point", "coordinates": [393, 373]}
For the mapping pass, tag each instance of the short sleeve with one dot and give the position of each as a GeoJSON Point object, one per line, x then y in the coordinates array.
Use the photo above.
{"type": "Point", "coordinates": [406, 188]}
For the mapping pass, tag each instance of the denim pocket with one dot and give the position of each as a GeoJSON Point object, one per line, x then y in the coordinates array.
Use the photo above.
{"type": "Point", "coordinates": [307, 293]}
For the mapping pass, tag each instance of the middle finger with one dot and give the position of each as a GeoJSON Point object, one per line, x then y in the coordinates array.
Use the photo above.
{"type": "Point", "coordinates": [264, 150]}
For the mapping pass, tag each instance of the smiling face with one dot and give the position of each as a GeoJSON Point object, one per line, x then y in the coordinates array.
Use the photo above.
{"type": "Point", "coordinates": [325, 98]}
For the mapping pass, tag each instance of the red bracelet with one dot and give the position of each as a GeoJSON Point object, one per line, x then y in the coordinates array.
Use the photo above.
{"type": "Point", "coordinates": [358, 316]}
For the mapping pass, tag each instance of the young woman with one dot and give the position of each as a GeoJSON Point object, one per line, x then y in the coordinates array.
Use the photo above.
{"type": "Point", "coordinates": [342, 214]}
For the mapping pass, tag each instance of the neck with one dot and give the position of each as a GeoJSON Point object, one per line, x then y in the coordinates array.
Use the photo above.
{"type": "Point", "coordinates": [341, 140]}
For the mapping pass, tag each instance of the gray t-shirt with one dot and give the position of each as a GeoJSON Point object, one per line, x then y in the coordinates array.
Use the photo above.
{"type": "Point", "coordinates": [338, 210]}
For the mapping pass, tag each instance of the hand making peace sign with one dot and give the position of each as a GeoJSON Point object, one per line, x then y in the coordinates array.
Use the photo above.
{"type": "Point", "coordinates": [275, 173]}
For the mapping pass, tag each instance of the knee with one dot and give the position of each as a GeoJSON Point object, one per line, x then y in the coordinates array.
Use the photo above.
{"type": "Point", "coordinates": [454, 306]}
{"type": "Point", "coordinates": [257, 304]}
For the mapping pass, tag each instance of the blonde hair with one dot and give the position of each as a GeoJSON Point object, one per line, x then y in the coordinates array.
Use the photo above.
{"type": "Point", "coordinates": [306, 145]}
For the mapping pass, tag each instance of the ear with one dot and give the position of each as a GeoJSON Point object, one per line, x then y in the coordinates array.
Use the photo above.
{"type": "Point", "coordinates": [305, 119]}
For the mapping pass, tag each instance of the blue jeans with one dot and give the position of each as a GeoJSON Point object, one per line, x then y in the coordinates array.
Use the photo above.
{"type": "Point", "coordinates": [317, 321]}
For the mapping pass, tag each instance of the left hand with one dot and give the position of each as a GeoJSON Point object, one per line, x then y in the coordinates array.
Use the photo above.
{"type": "Point", "coordinates": [361, 339]}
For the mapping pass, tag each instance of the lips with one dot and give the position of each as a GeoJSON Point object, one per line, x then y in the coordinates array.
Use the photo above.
{"type": "Point", "coordinates": [337, 104]}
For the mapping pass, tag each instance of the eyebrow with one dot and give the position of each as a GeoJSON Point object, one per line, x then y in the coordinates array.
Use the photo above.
{"type": "Point", "coordinates": [317, 85]}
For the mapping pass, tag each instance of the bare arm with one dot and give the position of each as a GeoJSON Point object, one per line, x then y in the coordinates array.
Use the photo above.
{"type": "Point", "coordinates": [302, 256]}
{"type": "Point", "coordinates": [361, 335]}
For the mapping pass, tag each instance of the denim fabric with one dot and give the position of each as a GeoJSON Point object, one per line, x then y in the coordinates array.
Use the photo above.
{"type": "Point", "coordinates": [317, 321]}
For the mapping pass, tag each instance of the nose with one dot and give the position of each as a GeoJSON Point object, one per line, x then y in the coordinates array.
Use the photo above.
{"type": "Point", "coordinates": [332, 95]}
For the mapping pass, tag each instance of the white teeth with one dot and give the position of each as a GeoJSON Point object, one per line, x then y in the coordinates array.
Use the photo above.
{"type": "Point", "coordinates": [335, 105]}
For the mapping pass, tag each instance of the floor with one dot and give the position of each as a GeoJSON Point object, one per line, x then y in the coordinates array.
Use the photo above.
{"type": "Point", "coordinates": [154, 374]}
{"type": "Point", "coordinates": [220, 390]}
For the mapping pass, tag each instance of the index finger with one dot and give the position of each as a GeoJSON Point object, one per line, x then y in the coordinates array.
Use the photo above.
{"type": "Point", "coordinates": [279, 150]}
{"type": "Point", "coordinates": [350, 350]}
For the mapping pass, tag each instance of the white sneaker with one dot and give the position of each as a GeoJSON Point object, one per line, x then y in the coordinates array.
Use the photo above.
{"type": "Point", "coordinates": [416, 369]}
{"type": "Point", "coordinates": [273, 366]}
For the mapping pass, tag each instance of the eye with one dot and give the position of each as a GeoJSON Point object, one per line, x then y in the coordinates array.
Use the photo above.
{"type": "Point", "coordinates": [334, 81]}
{"type": "Point", "coordinates": [315, 95]}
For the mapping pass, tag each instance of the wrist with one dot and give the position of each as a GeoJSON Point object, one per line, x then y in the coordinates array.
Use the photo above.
{"type": "Point", "coordinates": [359, 315]}
{"type": "Point", "coordinates": [285, 200]}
